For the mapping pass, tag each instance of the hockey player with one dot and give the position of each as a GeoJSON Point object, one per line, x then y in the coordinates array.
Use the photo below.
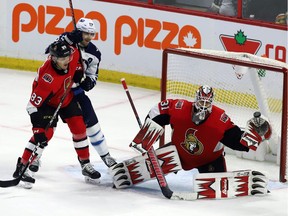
{"type": "Point", "coordinates": [199, 132]}
{"type": "Point", "coordinates": [91, 57]}
{"type": "Point", "coordinates": [54, 81]}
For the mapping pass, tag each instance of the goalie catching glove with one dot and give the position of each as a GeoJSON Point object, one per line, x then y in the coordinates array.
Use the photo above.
{"type": "Point", "coordinates": [258, 129]}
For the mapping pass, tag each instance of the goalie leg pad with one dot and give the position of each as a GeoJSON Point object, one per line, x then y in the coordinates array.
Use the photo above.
{"type": "Point", "coordinates": [138, 169]}
{"type": "Point", "coordinates": [230, 184]}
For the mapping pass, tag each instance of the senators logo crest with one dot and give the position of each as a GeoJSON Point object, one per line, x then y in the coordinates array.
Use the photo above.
{"type": "Point", "coordinates": [67, 83]}
{"type": "Point", "coordinates": [191, 143]}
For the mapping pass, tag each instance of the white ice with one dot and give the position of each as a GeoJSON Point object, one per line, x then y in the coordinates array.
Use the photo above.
{"type": "Point", "coordinates": [60, 188]}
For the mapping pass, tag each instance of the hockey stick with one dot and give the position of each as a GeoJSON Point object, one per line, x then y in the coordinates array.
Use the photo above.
{"type": "Point", "coordinates": [166, 191]}
{"type": "Point", "coordinates": [74, 23]}
{"type": "Point", "coordinates": [15, 182]}
{"type": "Point", "coordinates": [72, 13]}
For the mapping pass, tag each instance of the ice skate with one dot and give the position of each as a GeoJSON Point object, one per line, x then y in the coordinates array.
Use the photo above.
{"type": "Point", "coordinates": [108, 160]}
{"type": "Point", "coordinates": [26, 179]}
{"type": "Point", "coordinates": [91, 175]}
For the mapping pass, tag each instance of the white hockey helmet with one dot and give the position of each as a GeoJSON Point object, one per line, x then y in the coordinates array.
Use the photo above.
{"type": "Point", "coordinates": [203, 104]}
{"type": "Point", "coordinates": [86, 25]}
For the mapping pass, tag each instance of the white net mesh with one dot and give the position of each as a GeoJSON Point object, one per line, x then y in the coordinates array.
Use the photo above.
{"type": "Point", "coordinates": [243, 84]}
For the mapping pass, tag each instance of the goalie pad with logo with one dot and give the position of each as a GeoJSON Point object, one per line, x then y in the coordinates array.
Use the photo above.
{"type": "Point", "coordinates": [138, 169]}
{"type": "Point", "coordinates": [230, 184]}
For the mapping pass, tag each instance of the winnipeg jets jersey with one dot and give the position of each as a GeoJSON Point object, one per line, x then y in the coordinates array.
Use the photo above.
{"type": "Point", "coordinates": [91, 57]}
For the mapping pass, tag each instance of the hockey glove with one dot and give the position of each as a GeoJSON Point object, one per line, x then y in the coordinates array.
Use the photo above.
{"type": "Point", "coordinates": [40, 137]}
{"type": "Point", "coordinates": [78, 75]}
{"type": "Point", "coordinates": [258, 129]}
{"type": "Point", "coordinates": [73, 37]}
{"type": "Point", "coordinates": [87, 84]}
{"type": "Point", "coordinates": [40, 140]}
{"type": "Point", "coordinates": [261, 125]}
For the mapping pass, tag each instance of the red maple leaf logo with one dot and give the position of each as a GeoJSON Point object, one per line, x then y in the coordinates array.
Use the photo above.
{"type": "Point", "coordinates": [240, 43]}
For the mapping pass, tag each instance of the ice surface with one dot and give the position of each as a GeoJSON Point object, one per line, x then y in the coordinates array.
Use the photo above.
{"type": "Point", "coordinates": [60, 188]}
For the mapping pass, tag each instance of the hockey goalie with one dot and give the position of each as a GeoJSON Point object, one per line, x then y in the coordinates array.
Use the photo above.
{"type": "Point", "coordinates": [200, 130]}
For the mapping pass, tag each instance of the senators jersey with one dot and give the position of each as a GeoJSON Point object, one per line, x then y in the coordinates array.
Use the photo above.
{"type": "Point", "coordinates": [201, 144]}
{"type": "Point", "coordinates": [49, 86]}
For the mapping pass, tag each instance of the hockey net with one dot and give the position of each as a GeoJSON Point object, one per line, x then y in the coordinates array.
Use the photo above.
{"type": "Point", "coordinates": [243, 83]}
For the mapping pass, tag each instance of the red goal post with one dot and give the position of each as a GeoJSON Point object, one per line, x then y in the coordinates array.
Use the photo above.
{"type": "Point", "coordinates": [243, 83]}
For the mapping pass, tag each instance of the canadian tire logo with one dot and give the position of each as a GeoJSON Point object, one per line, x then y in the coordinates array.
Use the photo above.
{"type": "Point", "coordinates": [240, 43]}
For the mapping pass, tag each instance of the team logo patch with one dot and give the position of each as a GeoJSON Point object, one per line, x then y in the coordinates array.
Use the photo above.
{"type": "Point", "coordinates": [47, 78]}
{"type": "Point", "coordinates": [179, 104]}
{"type": "Point", "coordinates": [224, 117]}
{"type": "Point", "coordinates": [67, 82]}
{"type": "Point", "coordinates": [191, 143]}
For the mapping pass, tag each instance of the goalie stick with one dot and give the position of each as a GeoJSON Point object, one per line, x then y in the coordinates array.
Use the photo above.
{"type": "Point", "coordinates": [206, 186]}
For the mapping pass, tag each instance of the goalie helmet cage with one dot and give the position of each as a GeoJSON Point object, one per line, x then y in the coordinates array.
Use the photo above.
{"type": "Point", "coordinates": [243, 83]}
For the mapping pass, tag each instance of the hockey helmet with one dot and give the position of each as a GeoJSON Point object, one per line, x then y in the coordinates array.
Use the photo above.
{"type": "Point", "coordinates": [86, 25]}
{"type": "Point", "coordinates": [61, 55]}
{"type": "Point", "coordinates": [60, 49]}
{"type": "Point", "coordinates": [203, 104]}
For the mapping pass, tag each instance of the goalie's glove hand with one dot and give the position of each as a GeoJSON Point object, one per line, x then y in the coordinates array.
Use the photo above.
{"type": "Point", "coordinates": [258, 129]}
{"type": "Point", "coordinates": [73, 37]}
{"type": "Point", "coordinates": [261, 125]}
{"type": "Point", "coordinates": [87, 84]}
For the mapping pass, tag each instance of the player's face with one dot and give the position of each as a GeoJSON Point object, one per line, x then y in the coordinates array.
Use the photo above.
{"type": "Point", "coordinates": [63, 62]}
{"type": "Point", "coordinates": [203, 104]}
{"type": "Point", "coordinates": [87, 37]}
{"type": "Point", "coordinates": [203, 107]}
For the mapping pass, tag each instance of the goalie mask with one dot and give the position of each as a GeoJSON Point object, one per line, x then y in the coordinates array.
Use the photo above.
{"type": "Point", "coordinates": [203, 104]}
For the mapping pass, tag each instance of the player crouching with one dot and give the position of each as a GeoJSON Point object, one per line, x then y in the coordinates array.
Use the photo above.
{"type": "Point", "coordinates": [200, 131]}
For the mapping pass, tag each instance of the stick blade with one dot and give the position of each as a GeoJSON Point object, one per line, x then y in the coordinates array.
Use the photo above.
{"type": "Point", "coordinates": [10, 183]}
